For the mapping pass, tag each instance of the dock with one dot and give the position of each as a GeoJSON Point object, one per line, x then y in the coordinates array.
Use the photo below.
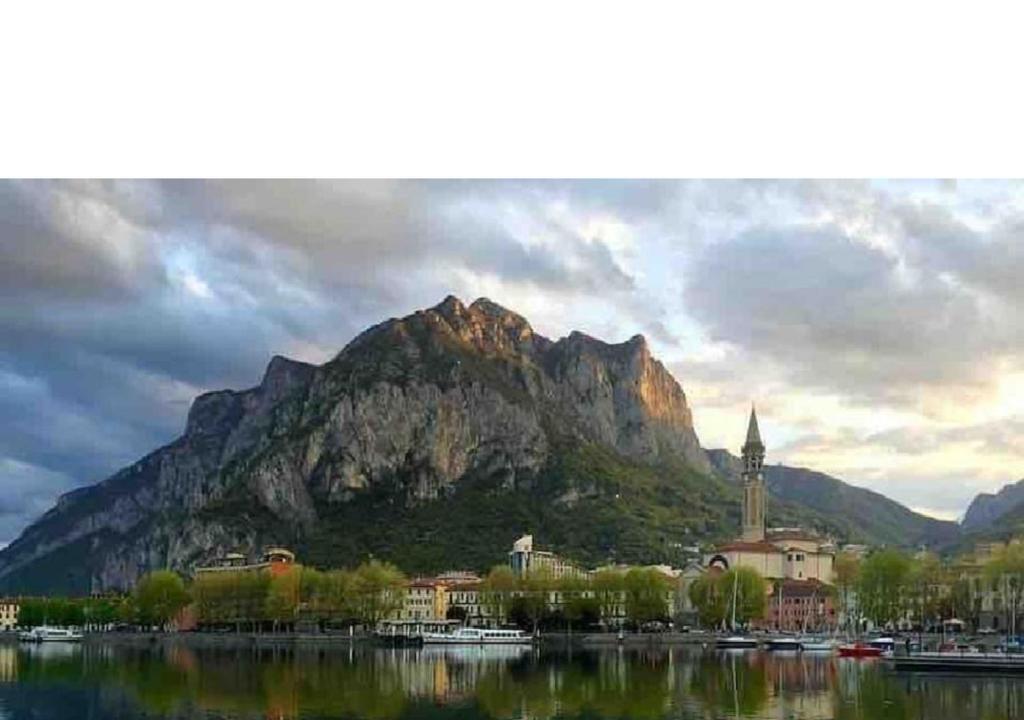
{"type": "Point", "coordinates": [958, 662]}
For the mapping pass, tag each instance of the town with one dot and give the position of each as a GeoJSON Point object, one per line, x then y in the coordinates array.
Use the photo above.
{"type": "Point", "coordinates": [783, 580]}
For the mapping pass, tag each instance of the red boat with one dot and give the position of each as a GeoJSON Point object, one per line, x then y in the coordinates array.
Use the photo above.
{"type": "Point", "coordinates": [859, 650]}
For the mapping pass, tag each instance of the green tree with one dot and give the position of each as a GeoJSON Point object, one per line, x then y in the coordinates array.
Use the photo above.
{"type": "Point", "coordinates": [608, 587]}
{"type": "Point", "coordinates": [747, 590]}
{"type": "Point", "coordinates": [159, 596]}
{"type": "Point", "coordinates": [496, 592]}
{"type": "Point", "coordinates": [925, 582]}
{"type": "Point", "coordinates": [846, 576]}
{"type": "Point", "coordinates": [646, 595]}
{"type": "Point", "coordinates": [707, 597]}
{"type": "Point", "coordinates": [282, 603]}
{"type": "Point", "coordinates": [1005, 573]}
{"type": "Point", "coordinates": [882, 587]}
{"type": "Point", "coordinates": [378, 590]}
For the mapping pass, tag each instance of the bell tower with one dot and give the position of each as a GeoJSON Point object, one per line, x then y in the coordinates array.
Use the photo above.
{"type": "Point", "coordinates": [753, 482]}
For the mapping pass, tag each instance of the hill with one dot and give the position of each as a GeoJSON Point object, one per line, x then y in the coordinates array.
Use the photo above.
{"type": "Point", "coordinates": [848, 512]}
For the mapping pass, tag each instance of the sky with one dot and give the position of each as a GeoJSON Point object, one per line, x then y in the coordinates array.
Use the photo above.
{"type": "Point", "coordinates": [873, 323]}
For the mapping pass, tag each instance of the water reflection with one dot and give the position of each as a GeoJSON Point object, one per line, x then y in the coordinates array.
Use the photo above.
{"type": "Point", "coordinates": [176, 681]}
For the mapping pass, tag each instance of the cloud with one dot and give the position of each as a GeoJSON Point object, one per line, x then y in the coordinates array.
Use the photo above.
{"type": "Point", "coordinates": [877, 313]}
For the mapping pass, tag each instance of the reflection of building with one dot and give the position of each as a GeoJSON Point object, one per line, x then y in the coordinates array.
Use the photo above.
{"type": "Point", "coordinates": [524, 559]}
{"type": "Point", "coordinates": [275, 559]}
{"type": "Point", "coordinates": [8, 615]}
{"type": "Point", "coordinates": [776, 553]}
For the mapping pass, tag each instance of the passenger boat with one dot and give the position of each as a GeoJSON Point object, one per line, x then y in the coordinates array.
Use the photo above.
{"type": "Point", "coordinates": [477, 636]}
{"type": "Point", "coordinates": [859, 650]}
{"type": "Point", "coordinates": [49, 634]}
{"type": "Point", "coordinates": [782, 643]}
{"type": "Point", "coordinates": [735, 642]}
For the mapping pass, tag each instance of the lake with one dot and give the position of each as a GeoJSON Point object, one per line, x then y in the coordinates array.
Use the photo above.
{"type": "Point", "coordinates": [113, 682]}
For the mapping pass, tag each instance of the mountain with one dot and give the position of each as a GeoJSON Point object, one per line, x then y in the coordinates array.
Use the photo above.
{"type": "Point", "coordinates": [433, 441]}
{"type": "Point", "coordinates": [986, 508]}
{"type": "Point", "coordinates": [430, 439]}
{"type": "Point", "coordinates": [856, 514]}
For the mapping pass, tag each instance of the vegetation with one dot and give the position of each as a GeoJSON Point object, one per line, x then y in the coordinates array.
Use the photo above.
{"type": "Point", "coordinates": [739, 594]}
{"type": "Point", "coordinates": [159, 596]}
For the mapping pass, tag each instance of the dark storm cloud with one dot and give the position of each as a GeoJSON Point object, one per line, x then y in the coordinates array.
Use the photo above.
{"type": "Point", "coordinates": [122, 300]}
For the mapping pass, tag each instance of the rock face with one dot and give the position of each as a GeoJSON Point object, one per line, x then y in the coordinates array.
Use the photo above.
{"type": "Point", "coordinates": [986, 508]}
{"type": "Point", "coordinates": [409, 409]}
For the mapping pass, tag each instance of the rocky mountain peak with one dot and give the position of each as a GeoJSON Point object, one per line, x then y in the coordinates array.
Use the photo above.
{"type": "Point", "coordinates": [488, 326]}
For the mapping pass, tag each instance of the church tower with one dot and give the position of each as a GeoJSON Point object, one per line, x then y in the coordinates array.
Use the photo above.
{"type": "Point", "coordinates": [753, 483]}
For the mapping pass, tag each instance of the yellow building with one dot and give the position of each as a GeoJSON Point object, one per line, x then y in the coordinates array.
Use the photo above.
{"type": "Point", "coordinates": [425, 599]}
{"type": "Point", "coordinates": [8, 615]}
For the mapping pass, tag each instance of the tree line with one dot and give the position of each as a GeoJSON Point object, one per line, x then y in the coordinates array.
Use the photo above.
{"type": "Point", "coordinates": [610, 597]}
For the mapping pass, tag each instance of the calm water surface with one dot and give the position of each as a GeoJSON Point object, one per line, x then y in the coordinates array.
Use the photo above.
{"type": "Point", "coordinates": [58, 682]}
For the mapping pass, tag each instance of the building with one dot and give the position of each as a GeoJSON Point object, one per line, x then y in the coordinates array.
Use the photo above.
{"type": "Point", "coordinates": [425, 599]}
{"type": "Point", "coordinates": [523, 559]}
{"type": "Point", "coordinates": [801, 605]}
{"type": "Point", "coordinates": [777, 553]}
{"type": "Point", "coordinates": [8, 615]}
{"type": "Point", "coordinates": [276, 560]}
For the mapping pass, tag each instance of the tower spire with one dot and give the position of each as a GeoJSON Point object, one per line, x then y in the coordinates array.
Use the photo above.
{"type": "Point", "coordinates": [753, 432]}
{"type": "Point", "coordinates": [753, 482]}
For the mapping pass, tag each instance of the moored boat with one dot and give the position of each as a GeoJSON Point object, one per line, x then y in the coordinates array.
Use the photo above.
{"type": "Point", "coordinates": [736, 642]}
{"type": "Point", "coordinates": [859, 650]}
{"type": "Point", "coordinates": [44, 633]}
{"type": "Point", "coordinates": [783, 643]}
{"type": "Point", "coordinates": [817, 645]}
{"type": "Point", "coordinates": [477, 636]}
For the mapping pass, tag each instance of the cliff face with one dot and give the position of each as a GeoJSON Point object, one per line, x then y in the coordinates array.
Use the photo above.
{"type": "Point", "coordinates": [408, 410]}
{"type": "Point", "coordinates": [986, 508]}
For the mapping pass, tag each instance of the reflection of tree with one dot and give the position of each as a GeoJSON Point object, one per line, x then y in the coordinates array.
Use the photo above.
{"type": "Point", "coordinates": [496, 683]}
{"type": "Point", "coordinates": [729, 683]}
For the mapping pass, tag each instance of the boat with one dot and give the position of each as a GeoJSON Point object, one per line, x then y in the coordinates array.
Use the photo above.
{"type": "Point", "coordinates": [735, 642]}
{"type": "Point", "coordinates": [783, 643]}
{"type": "Point", "coordinates": [859, 650]}
{"type": "Point", "coordinates": [810, 644]}
{"type": "Point", "coordinates": [44, 633]}
{"type": "Point", "coordinates": [477, 636]}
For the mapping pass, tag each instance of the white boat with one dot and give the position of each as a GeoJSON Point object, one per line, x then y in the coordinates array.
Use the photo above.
{"type": "Point", "coordinates": [477, 636]}
{"type": "Point", "coordinates": [810, 644]}
{"type": "Point", "coordinates": [783, 644]}
{"type": "Point", "coordinates": [44, 633]}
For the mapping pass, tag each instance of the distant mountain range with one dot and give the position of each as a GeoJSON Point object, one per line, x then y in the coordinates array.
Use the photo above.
{"type": "Point", "coordinates": [433, 441]}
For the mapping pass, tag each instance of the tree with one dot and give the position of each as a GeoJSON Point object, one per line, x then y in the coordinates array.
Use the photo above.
{"type": "Point", "coordinates": [846, 574]}
{"type": "Point", "coordinates": [925, 579]}
{"type": "Point", "coordinates": [536, 587]}
{"type": "Point", "coordinates": [496, 592]}
{"type": "Point", "coordinates": [707, 597]}
{"type": "Point", "coordinates": [646, 595]}
{"type": "Point", "coordinates": [378, 590]}
{"type": "Point", "coordinates": [746, 589]}
{"type": "Point", "coordinates": [282, 603]}
{"type": "Point", "coordinates": [608, 587]}
{"type": "Point", "coordinates": [1005, 573]}
{"type": "Point", "coordinates": [159, 596]}
{"type": "Point", "coordinates": [882, 587]}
